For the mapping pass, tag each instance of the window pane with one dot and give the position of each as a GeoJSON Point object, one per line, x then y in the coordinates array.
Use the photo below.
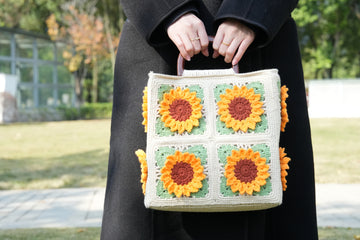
{"type": "Point", "coordinates": [26, 72]}
{"type": "Point", "coordinates": [64, 75]}
{"type": "Point", "coordinates": [5, 67]}
{"type": "Point", "coordinates": [46, 97]}
{"type": "Point", "coordinates": [24, 46]}
{"type": "Point", "coordinates": [26, 97]}
{"type": "Point", "coordinates": [46, 74]}
{"type": "Point", "coordinates": [66, 96]}
{"type": "Point", "coordinates": [5, 43]}
{"type": "Point", "coordinates": [60, 47]}
{"type": "Point", "coordinates": [45, 49]}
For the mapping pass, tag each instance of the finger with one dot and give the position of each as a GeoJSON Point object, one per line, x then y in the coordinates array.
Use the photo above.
{"type": "Point", "coordinates": [241, 50]}
{"type": "Point", "coordinates": [204, 41]}
{"type": "Point", "coordinates": [231, 50]}
{"type": "Point", "coordinates": [189, 48]}
{"type": "Point", "coordinates": [196, 44]}
{"type": "Point", "coordinates": [217, 40]}
{"type": "Point", "coordinates": [180, 45]}
{"type": "Point", "coordinates": [225, 44]}
{"type": "Point", "coordinates": [215, 54]}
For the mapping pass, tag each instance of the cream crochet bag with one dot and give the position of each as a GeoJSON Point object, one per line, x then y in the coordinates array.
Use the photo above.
{"type": "Point", "coordinates": [212, 141]}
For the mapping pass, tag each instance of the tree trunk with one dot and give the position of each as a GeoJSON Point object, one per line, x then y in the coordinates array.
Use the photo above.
{"type": "Point", "coordinates": [108, 34]}
{"type": "Point", "coordinates": [79, 85]}
{"type": "Point", "coordinates": [95, 80]}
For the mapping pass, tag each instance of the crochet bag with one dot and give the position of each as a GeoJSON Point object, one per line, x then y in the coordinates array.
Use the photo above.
{"type": "Point", "coordinates": [213, 141]}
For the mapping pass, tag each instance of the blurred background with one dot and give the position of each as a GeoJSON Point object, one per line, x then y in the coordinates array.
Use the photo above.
{"type": "Point", "coordinates": [56, 66]}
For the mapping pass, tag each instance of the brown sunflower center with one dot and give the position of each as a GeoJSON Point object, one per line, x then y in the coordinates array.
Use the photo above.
{"type": "Point", "coordinates": [180, 109]}
{"type": "Point", "coordinates": [245, 170]}
{"type": "Point", "coordinates": [182, 173]}
{"type": "Point", "coordinates": [240, 108]}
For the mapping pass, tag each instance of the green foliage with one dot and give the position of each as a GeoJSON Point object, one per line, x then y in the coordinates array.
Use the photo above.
{"type": "Point", "coordinates": [87, 111]}
{"type": "Point", "coordinates": [96, 110]}
{"type": "Point", "coordinates": [329, 33]}
{"type": "Point", "coordinates": [29, 15]}
{"type": "Point", "coordinates": [105, 81]}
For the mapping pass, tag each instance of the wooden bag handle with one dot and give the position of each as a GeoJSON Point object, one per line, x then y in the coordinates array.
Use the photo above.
{"type": "Point", "coordinates": [181, 62]}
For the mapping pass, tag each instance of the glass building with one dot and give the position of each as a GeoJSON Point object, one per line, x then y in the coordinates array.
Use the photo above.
{"type": "Point", "coordinates": [44, 81]}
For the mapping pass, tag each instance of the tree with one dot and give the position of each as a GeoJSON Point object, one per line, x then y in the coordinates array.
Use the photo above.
{"type": "Point", "coordinates": [90, 43]}
{"type": "Point", "coordinates": [28, 14]}
{"type": "Point", "coordinates": [329, 33]}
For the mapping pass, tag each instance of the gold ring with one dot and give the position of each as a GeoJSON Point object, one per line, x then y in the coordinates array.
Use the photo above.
{"type": "Point", "coordinates": [194, 39]}
{"type": "Point", "coordinates": [226, 44]}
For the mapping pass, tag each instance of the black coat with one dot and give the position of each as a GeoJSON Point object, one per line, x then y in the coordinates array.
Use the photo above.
{"type": "Point", "coordinates": [144, 47]}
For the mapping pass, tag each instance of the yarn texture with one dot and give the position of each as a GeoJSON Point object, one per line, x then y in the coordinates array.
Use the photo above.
{"type": "Point", "coordinates": [213, 141]}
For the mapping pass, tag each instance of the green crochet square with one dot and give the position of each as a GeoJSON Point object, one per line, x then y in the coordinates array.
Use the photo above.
{"type": "Point", "coordinates": [160, 157]}
{"type": "Point", "coordinates": [258, 89]}
{"type": "Point", "coordinates": [160, 127]}
{"type": "Point", "coordinates": [226, 190]}
{"type": "Point", "coordinates": [161, 154]}
{"type": "Point", "coordinates": [226, 150]}
{"type": "Point", "coordinates": [200, 152]}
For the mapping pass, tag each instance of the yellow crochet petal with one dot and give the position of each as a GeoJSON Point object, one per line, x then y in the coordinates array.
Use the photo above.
{"type": "Point", "coordinates": [174, 122]}
{"type": "Point", "coordinates": [236, 184]}
{"type": "Point", "coordinates": [232, 122]}
{"type": "Point", "coordinates": [197, 174]}
{"type": "Point", "coordinates": [284, 113]}
{"type": "Point", "coordinates": [144, 168]}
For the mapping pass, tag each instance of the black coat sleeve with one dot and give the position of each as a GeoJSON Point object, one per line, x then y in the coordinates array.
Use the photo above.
{"type": "Point", "coordinates": [266, 17]}
{"type": "Point", "coordinates": [150, 17]}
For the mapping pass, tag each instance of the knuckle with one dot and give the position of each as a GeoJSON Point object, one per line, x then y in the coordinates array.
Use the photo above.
{"type": "Point", "coordinates": [198, 24]}
{"type": "Point", "coordinates": [188, 24]}
{"type": "Point", "coordinates": [229, 52]}
{"type": "Point", "coordinates": [233, 31]}
{"type": "Point", "coordinates": [180, 45]}
{"type": "Point", "coordinates": [188, 48]}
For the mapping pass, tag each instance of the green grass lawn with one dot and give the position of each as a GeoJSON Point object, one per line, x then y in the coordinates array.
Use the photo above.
{"type": "Point", "coordinates": [54, 154]}
{"type": "Point", "coordinates": [51, 234]}
{"type": "Point", "coordinates": [94, 233]}
{"type": "Point", "coordinates": [336, 144]}
{"type": "Point", "coordinates": [75, 153]}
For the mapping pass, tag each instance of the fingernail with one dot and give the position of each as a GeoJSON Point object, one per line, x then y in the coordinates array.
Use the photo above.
{"type": "Point", "coordinates": [206, 53]}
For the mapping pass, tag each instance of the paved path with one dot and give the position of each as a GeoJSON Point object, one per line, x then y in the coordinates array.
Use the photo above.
{"type": "Point", "coordinates": [80, 207]}
{"type": "Point", "coordinates": [337, 205]}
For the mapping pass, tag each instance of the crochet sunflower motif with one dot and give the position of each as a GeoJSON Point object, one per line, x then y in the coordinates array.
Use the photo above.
{"type": "Point", "coordinates": [145, 108]}
{"type": "Point", "coordinates": [240, 108]}
{"type": "Point", "coordinates": [144, 168]}
{"type": "Point", "coordinates": [180, 110]}
{"type": "Point", "coordinates": [246, 171]}
{"type": "Point", "coordinates": [284, 113]}
{"type": "Point", "coordinates": [284, 160]}
{"type": "Point", "coordinates": [182, 174]}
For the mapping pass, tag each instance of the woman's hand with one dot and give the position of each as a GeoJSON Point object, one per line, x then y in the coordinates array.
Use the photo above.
{"type": "Point", "coordinates": [231, 40]}
{"type": "Point", "coordinates": [189, 35]}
